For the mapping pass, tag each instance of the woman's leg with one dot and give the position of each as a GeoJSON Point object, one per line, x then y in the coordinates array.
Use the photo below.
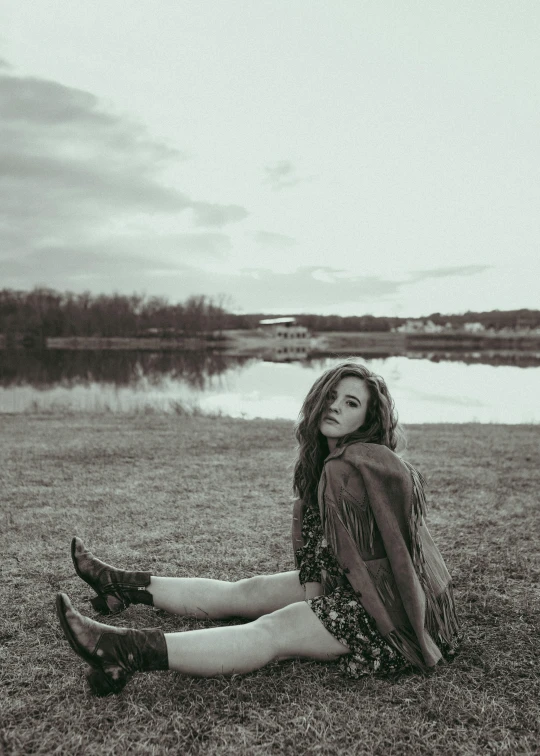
{"type": "Point", "coordinates": [198, 597]}
{"type": "Point", "coordinates": [293, 631]}
{"type": "Point", "coordinates": [115, 654]}
{"type": "Point", "coordinates": [219, 599]}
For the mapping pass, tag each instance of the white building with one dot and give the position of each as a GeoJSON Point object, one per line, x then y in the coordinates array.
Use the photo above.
{"type": "Point", "coordinates": [473, 327]}
{"type": "Point", "coordinates": [284, 328]}
{"type": "Point", "coordinates": [419, 326]}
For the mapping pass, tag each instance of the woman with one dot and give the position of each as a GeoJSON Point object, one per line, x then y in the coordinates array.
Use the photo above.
{"type": "Point", "coordinates": [370, 591]}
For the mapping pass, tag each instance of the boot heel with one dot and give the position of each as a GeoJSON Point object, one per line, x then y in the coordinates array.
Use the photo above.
{"type": "Point", "coordinates": [102, 683]}
{"type": "Point", "coordinates": [106, 605]}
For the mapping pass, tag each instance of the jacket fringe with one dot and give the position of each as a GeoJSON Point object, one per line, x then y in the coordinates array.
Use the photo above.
{"type": "Point", "coordinates": [361, 523]}
{"type": "Point", "coordinates": [441, 618]}
{"type": "Point", "coordinates": [330, 529]}
{"type": "Point", "coordinates": [406, 644]}
{"type": "Point", "coordinates": [385, 590]}
{"type": "Point", "coordinates": [418, 512]}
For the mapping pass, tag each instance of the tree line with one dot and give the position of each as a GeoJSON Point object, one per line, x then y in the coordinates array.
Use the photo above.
{"type": "Point", "coordinates": [494, 319]}
{"type": "Point", "coordinates": [43, 313]}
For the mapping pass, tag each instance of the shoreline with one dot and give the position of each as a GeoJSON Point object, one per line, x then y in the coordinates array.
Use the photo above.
{"type": "Point", "coordinates": [254, 343]}
{"type": "Point", "coordinates": [166, 415]}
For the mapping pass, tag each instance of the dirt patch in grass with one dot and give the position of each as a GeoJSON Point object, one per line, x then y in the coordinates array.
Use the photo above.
{"type": "Point", "coordinates": [211, 497]}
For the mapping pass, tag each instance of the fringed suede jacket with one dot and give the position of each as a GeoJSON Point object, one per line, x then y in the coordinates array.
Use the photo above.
{"type": "Point", "coordinates": [372, 508]}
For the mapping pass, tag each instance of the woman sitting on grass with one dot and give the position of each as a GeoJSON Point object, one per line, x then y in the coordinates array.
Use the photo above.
{"type": "Point", "coordinates": [371, 590]}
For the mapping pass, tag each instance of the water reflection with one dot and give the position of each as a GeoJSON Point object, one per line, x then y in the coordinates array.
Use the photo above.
{"type": "Point", "coordinates": [69, 368]}
{"type": "Point", "coordinates": [426, 388]}
{"type": "Point", "coordinates": [287, 353]}
{"type": "Point", "coordinates": [495, 358]}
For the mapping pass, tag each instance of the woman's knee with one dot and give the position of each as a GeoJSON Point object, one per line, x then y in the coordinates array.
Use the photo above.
{"type": "Point", "coordinates": [263, 594]}
{"type": "Point", "coordinates": [248, 589]}
{"type": "Point", "coordinates": [295, 631]}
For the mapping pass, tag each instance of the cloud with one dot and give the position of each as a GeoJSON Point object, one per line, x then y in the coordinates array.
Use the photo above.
{"type": "Point", "coordinates": [282, 175]}
{"type": "Point", "coordinates": [32, 100]}
{"type": "Point", "coordinates": [54, 263]}
{"type": "Point", "coordinates": [328, 275]}
{"type": "Point", "coordinates": [171, 248]}
{"type": "Point", "coordinates": [207, 214]}
{"type": "Point", "coordinates": [93, 268]}
{"type": "Point", "coordinates": [271, 239]}
{"type": "Point", "coordinates": [450, 272]}
{"type": "Point", "coordinates": [135, 259]}
{"type": "Point", "coordinates": [151, 268]}
{"type": "Point", "coordinates": [310, 288]}
{"type": "Point", "coordinates": [325, 289]}
{"type": "Point", "coordinates": [74, 174]}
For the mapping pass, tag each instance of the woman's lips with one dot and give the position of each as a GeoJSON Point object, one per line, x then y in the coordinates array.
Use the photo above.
{"type": "Point", "coordinates": [329, 419]}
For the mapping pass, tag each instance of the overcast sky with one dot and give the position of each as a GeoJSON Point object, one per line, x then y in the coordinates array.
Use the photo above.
{"type": "Point", "coordinates": [333, 156]}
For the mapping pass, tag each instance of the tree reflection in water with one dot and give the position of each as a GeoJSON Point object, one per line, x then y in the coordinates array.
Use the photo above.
{"type": "Point", "coordinates": [68, 368]}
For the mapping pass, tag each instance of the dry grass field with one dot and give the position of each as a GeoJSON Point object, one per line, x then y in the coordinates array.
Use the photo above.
{"type": "Point", "coordinates": [211, 497]}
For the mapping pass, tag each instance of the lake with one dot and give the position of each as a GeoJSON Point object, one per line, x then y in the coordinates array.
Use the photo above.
{"type": "Point", "coordinates": [426, 390]}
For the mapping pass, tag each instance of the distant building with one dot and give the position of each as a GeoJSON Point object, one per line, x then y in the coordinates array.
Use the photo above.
{"type": "Point", "coordinates": [431, 327]}
{"type": "Point", "coordinates": [473, 327]}
{"type": "Point", "coordinates": [419, 326]}
{"type": "Point", "coordinates": [283, 328]}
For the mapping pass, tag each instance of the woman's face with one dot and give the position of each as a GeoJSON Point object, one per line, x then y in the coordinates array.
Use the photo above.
{"type": "Point", "coordinates": [345, 410]}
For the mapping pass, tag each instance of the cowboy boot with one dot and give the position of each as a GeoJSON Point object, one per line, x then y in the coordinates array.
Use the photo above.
{"type": "Point", "coordinates": [114, 654]}
{"type": "Point", "coordinates": [116, 589]}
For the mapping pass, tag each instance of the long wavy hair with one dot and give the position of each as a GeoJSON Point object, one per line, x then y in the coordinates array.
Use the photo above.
{"type": "Point", "coordinates": [380, 426]}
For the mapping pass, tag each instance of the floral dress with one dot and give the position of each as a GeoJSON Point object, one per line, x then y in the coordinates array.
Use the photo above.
{"type": "Point", "coordinates": [339, 609]}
